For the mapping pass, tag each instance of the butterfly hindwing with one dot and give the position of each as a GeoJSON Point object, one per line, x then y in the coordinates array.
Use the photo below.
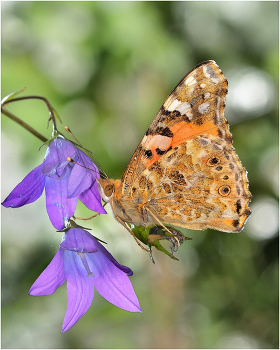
{"type": "Point", "coordinates": [198, 184]}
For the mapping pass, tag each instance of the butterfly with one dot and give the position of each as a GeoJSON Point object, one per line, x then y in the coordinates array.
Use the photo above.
{"type": "Point", "coordinates": [185, 171]}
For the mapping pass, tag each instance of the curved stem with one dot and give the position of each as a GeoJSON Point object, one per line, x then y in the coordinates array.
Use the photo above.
{"type": "Point", "coordinates": [49, 106]}
{"type": "Point", "coordinates": [23, 124]}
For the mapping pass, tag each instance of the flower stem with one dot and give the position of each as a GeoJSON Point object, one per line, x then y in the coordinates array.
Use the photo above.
{"type": "Point", "coordinates": [23, 124]}
{"type": "Point", "coordinates": [52, 112]}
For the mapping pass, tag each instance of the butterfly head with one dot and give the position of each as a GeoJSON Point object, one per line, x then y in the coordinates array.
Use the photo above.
{"type": "Point", "coordinates": [106, 189]}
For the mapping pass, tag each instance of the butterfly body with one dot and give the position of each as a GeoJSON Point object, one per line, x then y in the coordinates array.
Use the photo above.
{"type": "Point", "coordinates": [185, 171]}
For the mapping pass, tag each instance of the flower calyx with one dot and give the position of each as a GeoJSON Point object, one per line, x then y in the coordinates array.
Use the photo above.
{"type": "Point", "coordinates": [72, 224]}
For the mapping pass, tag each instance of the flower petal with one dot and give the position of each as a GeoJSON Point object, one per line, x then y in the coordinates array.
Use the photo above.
{"type": "Point", "coordinates": [79, 240]}
{"type": "Point", "coordinates": [56, 157]}
{"type": "Point", "coordinates": [59, 207]}
{"type": "Point", "coordinates": [83, 175]}
{"type": "Point", "coordinates": [91, 199]}
{"type": "Point", "coordinates": [112, 283]}
{"type": "Point", "coordinates": [88, 163]}
{"type": "Point", "coordinates": [28, 190]}
{"type": "Point", "coordinates": [80, 289]}
{"type": "Point", "coordinates": [51, 278]}
{"type": "Point", "coordinates": [109, 256]}
{"type": "Point", "coordinates": [79, 181]}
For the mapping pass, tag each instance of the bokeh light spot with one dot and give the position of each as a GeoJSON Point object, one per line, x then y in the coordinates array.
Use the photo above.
{"type": "Point", "coordinates": [237, 341]}
{"type": "Point", "coordinates": [263, 222]}
{"type": "Point", "coordinates": [251, 93]}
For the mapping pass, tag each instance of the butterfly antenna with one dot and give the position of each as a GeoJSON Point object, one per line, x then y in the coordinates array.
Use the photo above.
{"type": "Point", "coordinates": [103, 175]}
{"type": "Point", "coordinates": [72, 161]}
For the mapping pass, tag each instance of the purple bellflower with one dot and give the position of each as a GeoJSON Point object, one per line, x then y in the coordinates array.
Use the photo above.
{"type": "Point", "coordinates": [64, 182]}
{"type": "Point", "coordinates": [86, 264]}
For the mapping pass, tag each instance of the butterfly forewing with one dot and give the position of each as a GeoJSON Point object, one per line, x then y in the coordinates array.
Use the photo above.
{"type": "Point", "coordinates": [194, 107]}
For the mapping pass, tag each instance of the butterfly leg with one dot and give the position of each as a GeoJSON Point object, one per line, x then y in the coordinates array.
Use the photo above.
{"type": "Point", "coordinates": [161, 224]}
{"type": "Point", "coordinates": [174, 240]}
{"type": "Point", "coordinates": [129, 230]}
{"type": "Point", "coordinates": [91, 217]}
{"type": "Point", "coordinates": [177, 237]}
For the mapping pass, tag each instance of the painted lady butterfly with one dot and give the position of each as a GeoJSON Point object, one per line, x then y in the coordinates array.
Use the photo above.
{"type": "Point", "coordinates": [185, 171]}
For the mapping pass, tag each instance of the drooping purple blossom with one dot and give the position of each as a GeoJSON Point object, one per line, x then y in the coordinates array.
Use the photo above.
{"type": "Point", "coordinates": [64, 182]}
{"type": "Point", "coordinates": [86, 264]}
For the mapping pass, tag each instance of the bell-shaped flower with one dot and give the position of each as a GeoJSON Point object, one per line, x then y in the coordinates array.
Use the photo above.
{"type": "Point", "coordinates": [86, 264]}
{"type": "Point", "coordinates": [64, 181]}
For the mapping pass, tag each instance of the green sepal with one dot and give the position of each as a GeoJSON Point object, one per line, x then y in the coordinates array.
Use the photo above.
{"type": "Point", "coordinates": [56, 114]}
{"type": "Point", "coordinates": [55, 134]}
{"type": "Point", "coordinates": [72, 224]}
{"type": "Point", "coordinates": [9, 97]}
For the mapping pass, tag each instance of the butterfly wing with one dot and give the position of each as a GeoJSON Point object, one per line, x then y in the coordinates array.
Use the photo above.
{"type": "Point", "coordinates": [185, 169]}
{"type": "Point", "coordinates": [198, 184]}
{"type": "Point", "coordinates": [195, 106]}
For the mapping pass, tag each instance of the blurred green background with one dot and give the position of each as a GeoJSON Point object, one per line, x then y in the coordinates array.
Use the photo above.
{"type": "Point", "coordinates": [107, 67]}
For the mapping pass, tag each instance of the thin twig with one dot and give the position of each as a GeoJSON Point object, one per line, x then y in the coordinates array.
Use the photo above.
{"type": "Point", "coordinates": [34, 97]}
{"type": "Point", "coordinates": [23, 124]}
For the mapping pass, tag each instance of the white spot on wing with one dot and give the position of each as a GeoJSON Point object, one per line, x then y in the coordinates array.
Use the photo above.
{"type": "Point", "coordinates": [173, 105]}
{"type": "Point", "coordinates": [203, 108]}
{"type": "Point", "coordinates": [206, 95]}
{"type": "Point", "coordinates": [203, 85]}
{"type": "Point", "coordinates": [214, 79]}
{"type": "Point", "coordinates": [184, 108]}
{"type": "Point", "coordinates": [189, 115]}
{"type": "Point", "coordinates": [205, 71]}
{"type": "Point", "coordinates": [190, 80]}
{"type": "Point", "coordinates": [218, 107]}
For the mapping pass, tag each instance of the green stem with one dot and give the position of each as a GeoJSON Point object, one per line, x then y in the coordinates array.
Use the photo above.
{"type": "Point", "coordinates": [23, 124]}
{"type": "Point", "coordinates": [49, 106]}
